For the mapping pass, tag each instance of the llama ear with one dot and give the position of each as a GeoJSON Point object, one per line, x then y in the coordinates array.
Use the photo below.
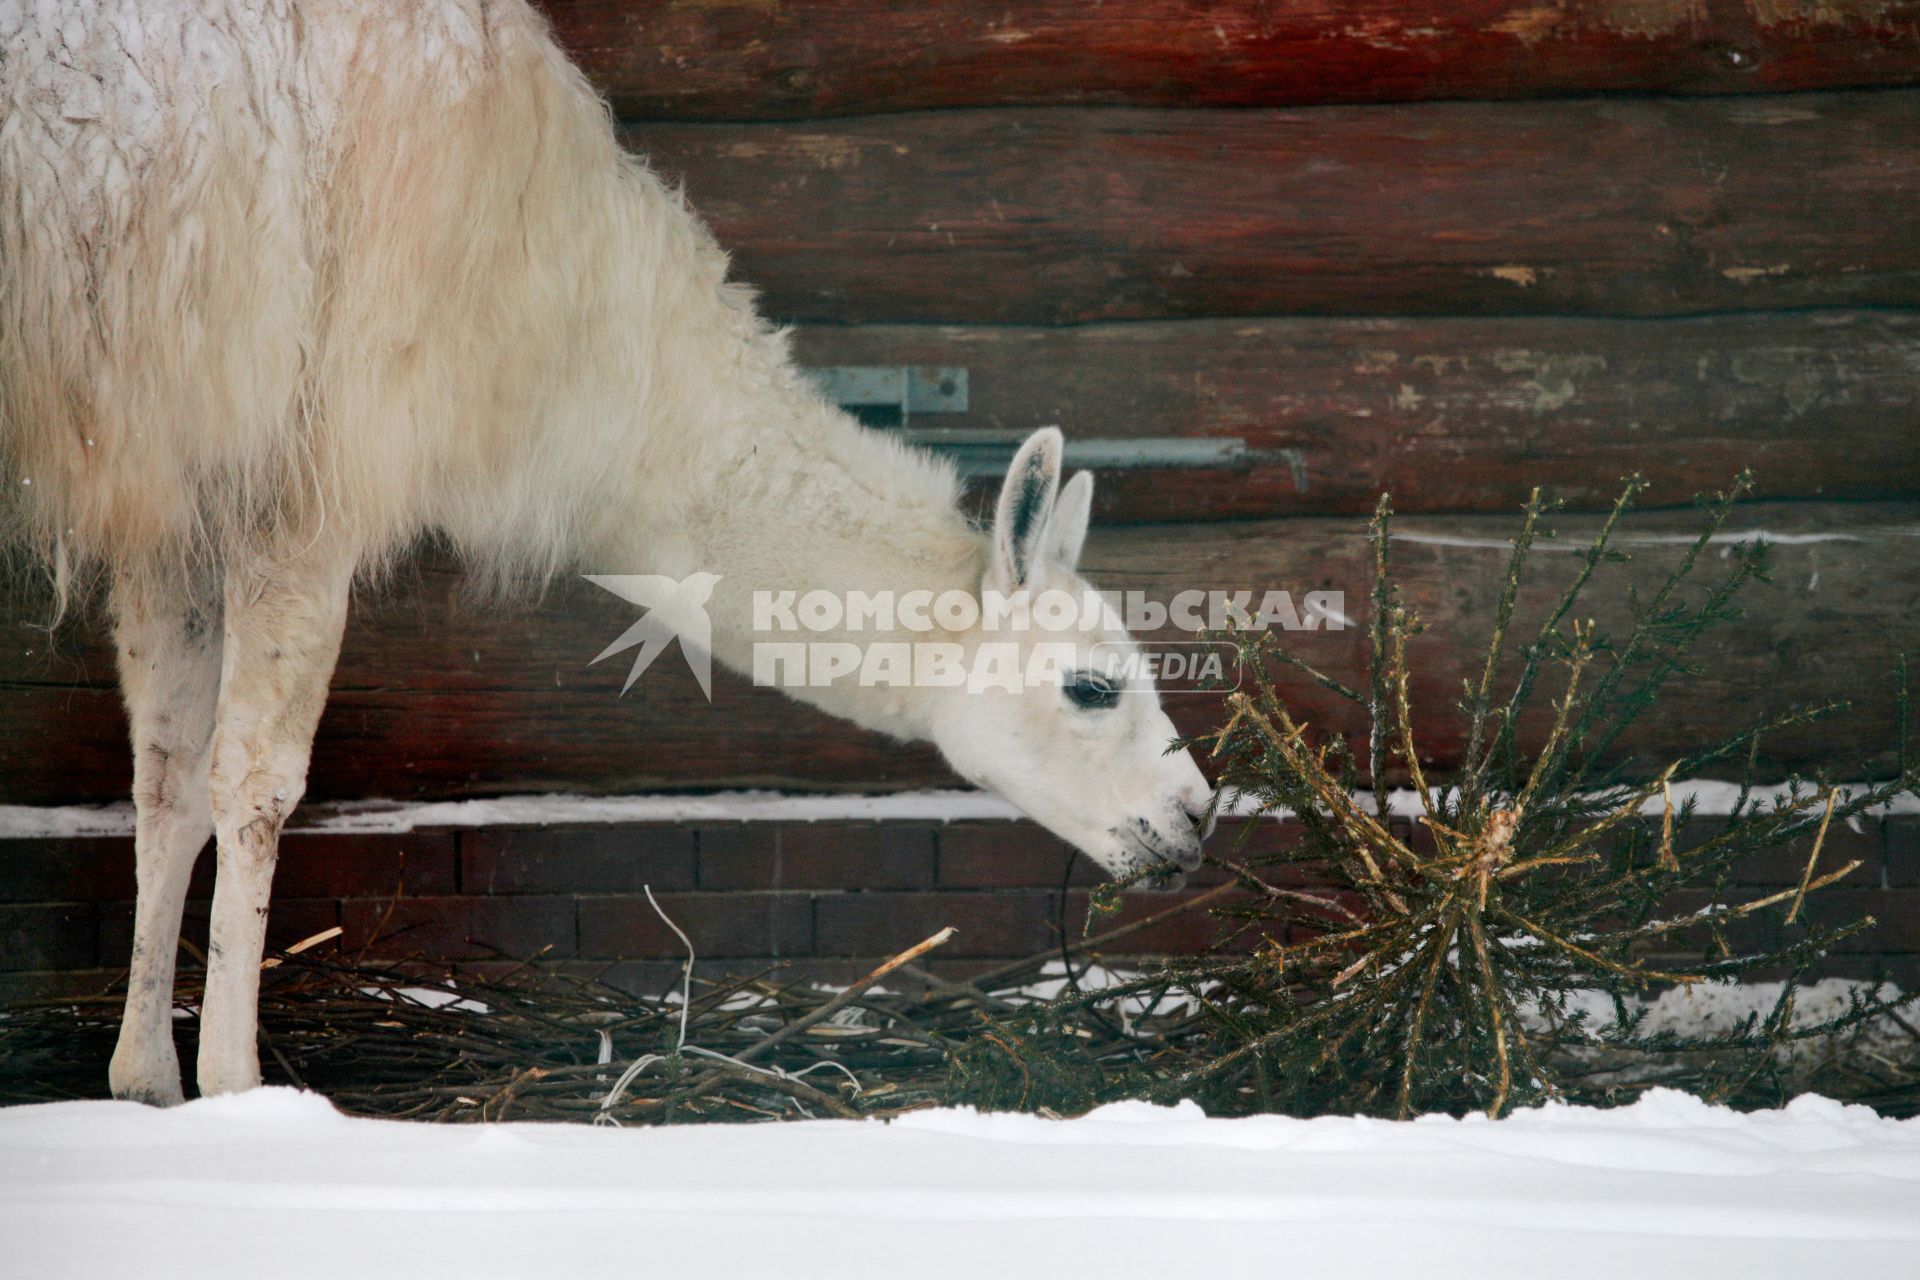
{"type": "Point", "coordinates": [1067, 529]}
{"type": "Point", "coordinates": [1026, 504]}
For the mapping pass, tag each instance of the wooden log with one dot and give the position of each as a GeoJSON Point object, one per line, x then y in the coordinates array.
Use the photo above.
{"type": "Point", "coordinates": [436, 699]}
{"type": "Point", "coordinates": [1448, 414]}
{"type": "Point", "coordinates": [745, 59]}
{"type": "Point", "coordinates": [1829, 627]}
{"type": "Point", "coordinates": [1596, 206]}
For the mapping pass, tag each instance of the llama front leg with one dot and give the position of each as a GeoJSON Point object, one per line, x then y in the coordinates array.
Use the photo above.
{"type": "Point", "coordinates": [283, 627]}
{"type": "Point", "coordinates": [168, 641]}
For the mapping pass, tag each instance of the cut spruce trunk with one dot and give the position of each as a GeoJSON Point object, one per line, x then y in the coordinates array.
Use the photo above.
{"type": "Point", "coordinates": [744, 59]}
{"type": "Point", "coordinates": [439, 698]}
{"type": "Point", "coordinates": [1625, 207]}
{"type": "Point", "coordinates": [1314, 416]}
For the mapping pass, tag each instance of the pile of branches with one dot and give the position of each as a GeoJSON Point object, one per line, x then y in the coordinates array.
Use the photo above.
{"type": "Point", "coordinates": [410, 1040]}
{"type": "Point", "coordinates": [1459, 969]}
{"type": "Point", "coordinates": [1505, 956]}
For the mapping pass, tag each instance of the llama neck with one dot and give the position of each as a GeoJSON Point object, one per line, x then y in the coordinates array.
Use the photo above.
{"type": "Point", "coordinates": [669, 433]}
{"type": "Point", "coordinates": [782, 495]}
{"type": "Point", "coordinates": [857, 516]}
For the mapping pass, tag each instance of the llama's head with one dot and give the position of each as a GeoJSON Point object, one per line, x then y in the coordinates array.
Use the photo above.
{"type": "Point", "coordinates": [1079, 742]}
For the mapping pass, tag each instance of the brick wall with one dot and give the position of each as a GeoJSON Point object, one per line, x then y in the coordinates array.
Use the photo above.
{"type": "Point", "coordinates": [828, 898]}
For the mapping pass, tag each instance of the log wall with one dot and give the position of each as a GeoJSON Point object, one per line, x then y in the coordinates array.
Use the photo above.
{"type": "Point", "coordinates": [435, 698]}
{"type": "Point", "coordinates": [748, 59]}
{"type": "Point", "coordinates": [1451, 414]}
{"type": "Point", "coordinates": [1615, 207]}
{"type": "Point", "coordinates": [1453, 251]}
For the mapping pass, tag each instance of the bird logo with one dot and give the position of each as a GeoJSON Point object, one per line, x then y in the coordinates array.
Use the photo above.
{"type": "Point", "coordinates": [676, 609]}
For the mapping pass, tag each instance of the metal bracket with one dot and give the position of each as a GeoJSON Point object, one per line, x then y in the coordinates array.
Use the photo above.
{"type": "Point", "coordinates": [890, 395]}
{"type": "Point", "coordinates": [979, 454]}
{"type": "Point", "coordinates": [988, 453]}
{"type": "Point", "coordinates": [902, 389]}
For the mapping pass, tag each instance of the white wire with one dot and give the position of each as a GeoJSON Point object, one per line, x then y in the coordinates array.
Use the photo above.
{"type": "Point", "coordinates": [841, 1067]}
{"type": "Point", "coordinates": [634, 1068]}
{"type": "Point", "coordinates": [606, 1053]}
{"type": "Point", "coordinates": [721, 1057]}
{"type": "Point", "coordinates": [686, 970]}
{"type": "Point", "coordinates": [627, 1077]}
{"type": "Point", "coordinates": [778, 1072]}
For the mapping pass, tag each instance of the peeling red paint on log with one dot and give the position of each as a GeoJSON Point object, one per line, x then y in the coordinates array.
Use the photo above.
{"type": "Point", "coordinates": [1449, 414]}
{"type": "Point", "coordinates": [747, 59]}
{"type": "Point", "coordinates": [433, 700]}
{"type": "Point", "coordinates": [1596, 206]}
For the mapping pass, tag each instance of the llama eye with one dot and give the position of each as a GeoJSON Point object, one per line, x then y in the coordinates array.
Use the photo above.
{"type": "Point", "coordinates": [1091, 692]}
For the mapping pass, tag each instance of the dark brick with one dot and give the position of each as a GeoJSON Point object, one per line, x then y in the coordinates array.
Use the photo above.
{"type": "Point", "coordinates": [719, 925]}
{"type": "Point", "coordinates": [634, 977]}
{"type": "Point", "coordinates": [960, 968]}
{"type": "Point", "coordinates": [1245, 839]}
{"type": "Point", "coordinates": [1776, 867]}
{"type": "Point", "coordinates": [649, 978]}
{"type": "Point", "coordinates": [1902, 969]}
{"type": "Point", "coordinates": [454, 928]}
{"type": "Point", "coordinates": [738, 854]}
{"type": "Point", "coordinates": [1786, 864]}
{"type": "Point", "coordinates": [95, 869]}
{"type": "Point", "coordinates": [311, 865]}
{"type": "Point", "coordinates": [1188, 933]}
{"type": "Point", "coordinates": [289, 920]}
{"type": "Point", "coordinates": [578, 860]}
{"type": "Point", "coordinates": [841, 971]}
{"type": "Point", "coordinates": [1012, 924]}
{"type": "Point", "coordinates": [1008, 855]}
{"type": "Point", "coordinates": [1896, 913]}
{"type": "Point", "coordinates": [1306, 915]}
{"type": "Point", "coordinates": [1024, 855]}
{"type": "Point", "coordinates": [1903, 849]}
{"type": "Point", "coordinates": [817, 855]}
{"type": "Point", "coordinates": [52, 984]}
{"type": "Point", "coordinates": [336, 865]}
{"type": "Point", "coordinates": [48, 935]}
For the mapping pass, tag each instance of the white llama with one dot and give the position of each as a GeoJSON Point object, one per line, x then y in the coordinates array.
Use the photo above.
{"type": "Point", "coordinates": [285, 284]}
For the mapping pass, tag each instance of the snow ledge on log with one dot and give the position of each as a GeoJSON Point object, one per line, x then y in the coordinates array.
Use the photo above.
{"type": "Point", "coordinates": [391, 817]}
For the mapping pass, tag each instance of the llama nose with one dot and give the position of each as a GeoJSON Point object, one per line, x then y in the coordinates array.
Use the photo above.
{"type": "Point", "coordinates": [1202, 818]}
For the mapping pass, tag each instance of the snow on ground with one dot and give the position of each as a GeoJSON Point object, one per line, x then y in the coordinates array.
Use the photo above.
{"type": "Point", "coordinates": [276, 1183]}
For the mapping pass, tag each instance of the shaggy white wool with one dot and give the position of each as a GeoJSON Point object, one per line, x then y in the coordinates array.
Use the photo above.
{"type": "Point", "coordinates": [285, 286]}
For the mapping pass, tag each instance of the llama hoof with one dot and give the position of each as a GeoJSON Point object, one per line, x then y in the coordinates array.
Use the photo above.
{"type": "Point", "coordinates": [157, 1087]}
{"type": "Point", "coordinates": [157, 1096]}
{"type": "Point", "coordinates": [218, 1079]}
